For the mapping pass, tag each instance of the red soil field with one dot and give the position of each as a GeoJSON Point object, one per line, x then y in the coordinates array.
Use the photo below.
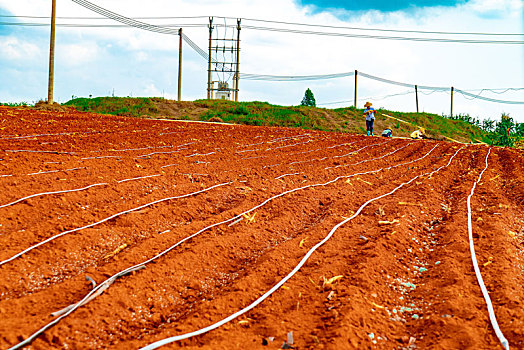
{"type": "Point", "coordinates": [352, 242]}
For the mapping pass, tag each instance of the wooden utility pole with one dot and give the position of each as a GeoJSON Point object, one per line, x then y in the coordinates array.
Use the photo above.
{"type": "Point", "coordinates": [180, 65]}
{"type": "Point", "coordinates": [237, 60]}
{"type": "Point", "coordinates": [51, 54]}
{"type": "Point", "coordinates": [356, 73]}
{"type": "Point", "coordinates": [416, 96]}
{"type": "Point", "coordinates": [451, 114]}
{"type": "Point", "coordinates": [209, 92]}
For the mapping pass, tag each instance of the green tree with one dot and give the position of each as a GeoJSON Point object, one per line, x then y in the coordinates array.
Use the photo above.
{"type": "Point", "coordinates": [488, 125]}
{"type": "Point", "coordinates": [519, 129]}
{"type": "Point", "coordinates": [309, 99]}
{"type": "Point", "coordinates": [504, 132]}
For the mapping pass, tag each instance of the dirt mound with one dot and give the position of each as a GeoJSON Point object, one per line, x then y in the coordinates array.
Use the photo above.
{"type": "Point", "coordinates": [179, 109]}
{"type": "Point", "coordinates": [44, 106]}
{"type": "Point", "coordinates": [355, 242]}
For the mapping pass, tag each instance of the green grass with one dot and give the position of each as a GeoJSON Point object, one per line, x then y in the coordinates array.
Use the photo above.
{"type": "Point", "coordinates": [130, 107]}
{"type": "Point", "coordinates": [260, 113]}
{"type": "Point", "coordinates": [15, 104]}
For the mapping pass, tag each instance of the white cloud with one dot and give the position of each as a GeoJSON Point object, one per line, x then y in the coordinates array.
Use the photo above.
{"type": "Point", "coordinates": [75, 55]}
{"type": "Point", "coordinates": [13, 49]}
{"type": "Point", "coordinates": [152, 90]}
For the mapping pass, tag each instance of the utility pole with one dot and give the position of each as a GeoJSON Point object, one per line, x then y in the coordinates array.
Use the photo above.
{"type": "Point", "coordinates": [356, 73]}
{"type": "Point", "coordinates": [180, 65]}
{"type": "Point", "coordinates": [238, 60]}
{"type": "Point", "coordinates": [451, 114]}
{"type": "Point", "coordinates": [51, 54]}
{"type": "Point", "coordinates": [209, 92]}
{"type": "Point", "coordinates": [416, 96]}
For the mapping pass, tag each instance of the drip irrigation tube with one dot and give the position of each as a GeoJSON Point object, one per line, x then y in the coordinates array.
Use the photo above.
{"type": "Point", "coordinates": [138, 178]}
{"type": "Point", "coordinates": [43, 135]}
{"type": "Point", "coordinates": [111, 279]}
{"type": "Point", "coordinates": [166, 341]}
{"type": "Point", "coordinates": [341, 156]}
{"type": "Point", "coordinates": [54, 171]}
{"type": "Point", "coordinates": [368, 160]}
{"type": "Point", "coordinates": [280, 139]}
{"type": "Point", "coordinates": [36, 151]}
{"type": "Point", "coordinates": [54, 192]}
{"type": "Point", "coordinates": [153, 153]}
{"type": "Point", "coordinates": [107, 219]}
{"type": "Point", "coordinates": [100, 157]}
{"type": "Point", "coordinates": [485, 293]}
{"type": "Point", "coordinates": [199, 154]}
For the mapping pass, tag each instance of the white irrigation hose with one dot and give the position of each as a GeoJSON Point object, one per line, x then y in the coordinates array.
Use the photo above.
{"type": "Point", "coordinates": [138, 178]}
{"type": "Point", "coordinates": [341, 156]}
{"type": "Point", "coordinates": [153, 153]}
{"type": "Point", "coordinates": [491, 312]}
{"type": "Point", "coordinates": [168, 165]}
{"type": "Point", "coordinates": [350, 153]}
{"type": "Point", "coordinates": [369, 160]}
{"type": "Point", "coordinates": [53, 171]}
{"type": "Point", "coordinates": [166, 341]}
{"type": "Point", "coordinates": [250, 150]}
{"type": "Point", "coordinates": [281, 176]}
{"type": "Point", "coordinates": [132, 149]}
{"type": "Point", "coordinates": [323, 149]}
{"type": "Point", "coordinates": [36, 151]}
{"type": "Point", "coordinates": [43, 135]}
{"type": "Point", "coordinates": [107, 219]}
{"type": "Point", "coordinates": [55, 192]}
{"type": "Point", "coordinates": [199, 154]}
{"type": "Point", "coordinates": [100, 157]}
{"type": "Point", "coordinates": [132, 268]}
{"type": "Point", "coordinates": [286, 146]}
{"type": "Point", "coordinates": [280, 139]}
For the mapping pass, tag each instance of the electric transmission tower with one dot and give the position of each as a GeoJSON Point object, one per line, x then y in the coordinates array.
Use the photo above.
{"type": "Point", "coordinates": [223, 61]}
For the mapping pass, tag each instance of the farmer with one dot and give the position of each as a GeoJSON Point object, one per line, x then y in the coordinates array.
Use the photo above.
{"type": "Point", "coordinates": [387, 133]}
{"type": "Point", "coordinates": [418, 134]}
{"type": "Point", "coordinates": [369, 113]}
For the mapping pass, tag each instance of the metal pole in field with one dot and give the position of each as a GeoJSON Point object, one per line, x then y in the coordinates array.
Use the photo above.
{"type": "Point", "coordinates": [356, 73]}
{"type": "Point", "coordinates": [209, 59]}
{"type": "Point", "coordinates": [416, 96]}
{"type": "Point", "coordinates": [451, 114]}
{"type": "Point", "coordinates": [238, 60]}
{"type": "Point", "coordinates": [180, 65]}
{"type": "Point", "coordinates": [51, 54]}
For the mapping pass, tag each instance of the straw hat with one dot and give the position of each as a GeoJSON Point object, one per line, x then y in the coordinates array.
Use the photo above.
{"type": "Point", "coordinates": [422, 130]}
{"type": "Point", "coordinates": [368, 104]}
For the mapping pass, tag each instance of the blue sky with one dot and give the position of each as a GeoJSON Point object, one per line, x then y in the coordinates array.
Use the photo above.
{"type": "Point", "coordinates": [380, 5]}
{"type": "Point", "coordinates": [132, 62]}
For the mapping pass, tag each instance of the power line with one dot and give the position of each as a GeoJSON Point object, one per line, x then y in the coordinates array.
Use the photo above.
{"type": "Point", "coordinates": [141, 25]}
{"type": "Point", "coordinates": [272, 29]}
{"type": "Point", "coordinates": [288, 23]}
{"type": "Point", "coordinates": [375, 98]}
{"type": "Point", "coordinates": [467, 94]}
{"type": "Point", "coordinates": [402, 38]}
{"type": "Point", "coordinates": [248, 76]}
{"type": "Point", "coordinates": [432, 89]}
{"type": "Point", "coordinates": [402, 84]}
{"type": "Point", "coordinates": [104, 18]}
{"type": "Point", "coordinates": [78, 25]}
{"type": "Point", "coordinates": [381, 29]}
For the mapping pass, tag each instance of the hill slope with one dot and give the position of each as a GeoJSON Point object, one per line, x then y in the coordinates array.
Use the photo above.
{"type": "Point", "coordinates": [263, 113]}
